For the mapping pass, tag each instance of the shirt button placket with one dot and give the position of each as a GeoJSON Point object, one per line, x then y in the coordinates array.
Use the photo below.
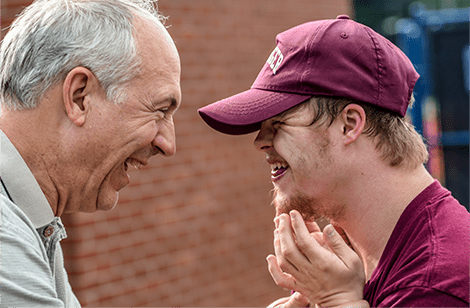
{"type": "Point", "coordinates": [48, 231]}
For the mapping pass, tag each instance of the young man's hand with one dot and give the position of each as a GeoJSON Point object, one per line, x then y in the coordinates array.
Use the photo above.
{"type": "Point", "coordinates": [295, 300]}
{"type": "Point", "coordinates": [319, 265]}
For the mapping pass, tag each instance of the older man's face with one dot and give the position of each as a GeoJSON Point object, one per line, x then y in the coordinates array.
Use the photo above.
{"type": "Point", "coordinates": [130, 133]}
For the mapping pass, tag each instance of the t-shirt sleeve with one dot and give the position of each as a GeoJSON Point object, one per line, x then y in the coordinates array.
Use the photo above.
{"type": "Point", "coordinates": [25, 276]}
{"type": "Point", "coordinates": [421, 297]}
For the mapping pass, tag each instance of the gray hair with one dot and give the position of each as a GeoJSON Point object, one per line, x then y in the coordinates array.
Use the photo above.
{"type": "Point", "coordinates": [52, 37]}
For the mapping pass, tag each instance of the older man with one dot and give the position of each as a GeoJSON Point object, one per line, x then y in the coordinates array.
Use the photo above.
{"type": "Point", "coordinates": [329, 105]}
{"type": "Point", "coordinates": [88, 88]}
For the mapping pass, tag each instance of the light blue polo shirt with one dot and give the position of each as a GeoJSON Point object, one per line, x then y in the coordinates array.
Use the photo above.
{"type": "Point", "coordinates": [32, 272]}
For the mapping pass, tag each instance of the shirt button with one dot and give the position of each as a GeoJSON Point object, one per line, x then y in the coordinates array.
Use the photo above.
{"type": "Point", "coordinates": [48, 231]}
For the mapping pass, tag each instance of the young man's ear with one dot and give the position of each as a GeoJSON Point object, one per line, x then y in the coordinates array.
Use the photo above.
{"type": "Point", "coordinates": [79, 85]}
{"type": "Point", "coordinates": [353, 119]}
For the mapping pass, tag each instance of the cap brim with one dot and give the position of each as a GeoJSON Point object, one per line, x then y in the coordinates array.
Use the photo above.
{"type": "Point", "coordinates": [243, 113]}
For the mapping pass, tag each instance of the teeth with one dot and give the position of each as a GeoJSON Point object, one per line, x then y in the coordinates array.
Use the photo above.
{"type": "Point", "coordinates": [134, 163]}
{"type": "Point", "coordinates": [277, 166]}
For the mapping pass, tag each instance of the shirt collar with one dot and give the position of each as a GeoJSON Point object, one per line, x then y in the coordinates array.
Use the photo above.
{"type": "Point", "coordinates": [22, 186]}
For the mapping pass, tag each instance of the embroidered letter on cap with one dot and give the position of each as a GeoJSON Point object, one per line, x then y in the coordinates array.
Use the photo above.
{"type": "Point", "coordinates": [275, 59]}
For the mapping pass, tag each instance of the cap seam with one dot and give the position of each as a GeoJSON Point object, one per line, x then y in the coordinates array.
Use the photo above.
{"type": "Point", "coordinates": [308, 48]}
{"type": "Point", "coordinates": [266, 102]}
{"type": "Point", "coordinates": [379, 67]}
{"type": "Point", "coordinates": [278, 89]}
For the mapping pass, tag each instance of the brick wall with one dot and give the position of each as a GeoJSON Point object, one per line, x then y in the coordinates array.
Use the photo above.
{"type": "Point", "coordinates": [194, 229]}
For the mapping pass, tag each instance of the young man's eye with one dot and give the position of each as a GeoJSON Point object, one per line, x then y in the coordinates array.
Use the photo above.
{"type": "Point", "coordinates": [277, 123]}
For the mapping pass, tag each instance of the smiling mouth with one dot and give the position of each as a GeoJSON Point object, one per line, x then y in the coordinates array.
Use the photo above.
{"type": "Point", "coordinates": [278, 170]}
{"type": "Point", "coordinates": [133, 163]}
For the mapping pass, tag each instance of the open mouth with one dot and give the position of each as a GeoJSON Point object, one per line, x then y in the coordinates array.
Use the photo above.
{"type": "Point", "coordinates": [278, 170]}
{"type": "Point", "coordinates": [133, 163]}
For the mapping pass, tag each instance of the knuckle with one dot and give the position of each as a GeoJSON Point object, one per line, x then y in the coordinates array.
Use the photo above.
{"type": "Point", "coordinates": [356, 263]}
{"type": "Point", "coordinates": [283, 284]}
{"type": "Point", "coordinates": [323, 267]}
{"type": "Point", "coordinates": [282, 228]}
{"type": "Point", "coordinates": [284, 264]}
{"type": "Point", "coordinates": [287, 253]}
{"type": "Point", "coordinates": [302, 244]}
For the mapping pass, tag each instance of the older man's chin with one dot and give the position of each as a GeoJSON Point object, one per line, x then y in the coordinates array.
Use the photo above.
{"type": "Point", "coordinates": [107, 200]}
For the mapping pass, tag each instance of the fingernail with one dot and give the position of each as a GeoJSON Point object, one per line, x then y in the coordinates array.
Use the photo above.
{"type": "Point", "coordinates": [293, 214]}
{"type": "Point", "coordinates": [276, 232]}
{"type": "Point", "coordinates": [330, 230]}
{"type": "Point", "coordinates": [276, 222]}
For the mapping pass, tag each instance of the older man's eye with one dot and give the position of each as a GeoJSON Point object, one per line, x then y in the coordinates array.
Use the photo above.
{"type": "Point", "coordinates": [163, 111]}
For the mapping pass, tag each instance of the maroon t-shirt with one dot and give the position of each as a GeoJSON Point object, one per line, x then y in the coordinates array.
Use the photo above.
{"type": "Point", "coordinates": [426, 260]}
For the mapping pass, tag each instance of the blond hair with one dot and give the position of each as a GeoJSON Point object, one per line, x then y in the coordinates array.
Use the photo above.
{"type": "Point", "coordinates": [396, 139]}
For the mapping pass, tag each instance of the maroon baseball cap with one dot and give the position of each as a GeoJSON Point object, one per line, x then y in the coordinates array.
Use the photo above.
{"type": "Point", "coordinates": [335, 58]}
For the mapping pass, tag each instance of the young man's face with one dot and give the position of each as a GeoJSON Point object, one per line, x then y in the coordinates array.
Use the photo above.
{"type": "Point", "coordinates": [303, 164]}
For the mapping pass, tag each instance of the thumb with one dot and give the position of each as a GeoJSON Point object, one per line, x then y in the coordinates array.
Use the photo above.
{"type": "Point", "coordinates": [296, 300]}
{"type": "Point", "coordinates": [336, 243]}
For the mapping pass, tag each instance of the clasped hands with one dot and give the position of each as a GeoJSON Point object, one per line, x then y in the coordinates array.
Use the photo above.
{"type": "Point", "coordinates": [319, 266]}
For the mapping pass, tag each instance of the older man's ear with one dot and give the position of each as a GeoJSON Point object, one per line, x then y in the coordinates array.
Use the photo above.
{"type": "Point", "coordinates": [80, 86]}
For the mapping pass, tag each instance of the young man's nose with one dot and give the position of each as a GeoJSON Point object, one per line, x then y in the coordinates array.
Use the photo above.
{"type": "Point", "coordinates": [263, 141]}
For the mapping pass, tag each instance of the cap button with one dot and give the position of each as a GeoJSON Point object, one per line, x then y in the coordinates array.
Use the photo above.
{"type": "Point", "coordinates": [342, 17]}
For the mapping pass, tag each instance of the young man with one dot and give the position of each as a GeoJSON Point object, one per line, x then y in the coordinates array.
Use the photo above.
{"type": "Point", "coordinates": [87, 89]}
{"type": "Point", "coordinates": [329, 105]}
